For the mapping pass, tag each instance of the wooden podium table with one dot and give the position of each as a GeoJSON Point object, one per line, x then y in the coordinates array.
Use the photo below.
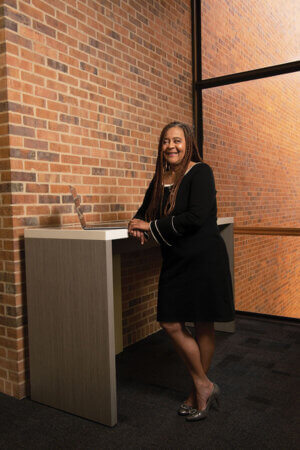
{"type": "Point", "coordinates": [74, 303]}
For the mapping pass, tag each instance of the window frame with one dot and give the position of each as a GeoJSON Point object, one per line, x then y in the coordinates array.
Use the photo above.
{"type": "Point", "coordinates": [199, 84]}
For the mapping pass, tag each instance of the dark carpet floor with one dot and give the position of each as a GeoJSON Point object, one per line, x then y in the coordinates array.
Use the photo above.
{"type": "Point", "coordinates": [257, 369]}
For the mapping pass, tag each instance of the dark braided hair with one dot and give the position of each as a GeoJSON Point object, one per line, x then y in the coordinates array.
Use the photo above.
{"type": "Point", "coordinates": [191, 154]}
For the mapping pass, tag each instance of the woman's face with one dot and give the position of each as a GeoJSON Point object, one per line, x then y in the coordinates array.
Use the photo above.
{"type": "Point", "coordinates": [173, 146]}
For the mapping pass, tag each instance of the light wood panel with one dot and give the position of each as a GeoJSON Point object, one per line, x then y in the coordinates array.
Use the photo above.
{"type": "Point", "coordinates": [118, 308]}
{"type": "Point", "coordinates": [277, 231]}
{"type": "Point", "coordinates": [71, 326]}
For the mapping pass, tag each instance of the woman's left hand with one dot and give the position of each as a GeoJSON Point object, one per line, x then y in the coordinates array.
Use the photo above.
{"type": "Point", "coordinates": [137, 224]}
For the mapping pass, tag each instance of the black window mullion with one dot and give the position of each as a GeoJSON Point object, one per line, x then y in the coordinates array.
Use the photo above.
{"type": "Point", "coordinates": [256, 74]}
{"type": "Point", "coordinates": [197, 73]}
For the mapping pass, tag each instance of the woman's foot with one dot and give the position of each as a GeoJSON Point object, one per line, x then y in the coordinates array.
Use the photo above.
{"type": "Point", "coordinates": [191, 400]}
{"type": "Point", "coordinates": [189, 404]}
{"type": "Point", "coordinates": [202, 393]}
{"type": "Point", "coordinates": [199, 414]}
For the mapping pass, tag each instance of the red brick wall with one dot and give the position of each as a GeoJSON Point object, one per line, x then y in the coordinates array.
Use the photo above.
{"type": "Point", "coordinates": [89, 86]}
{"type": "Point", "coordinates": [139, 294]}
{"type": "Point", "coordinates": [251, 140]}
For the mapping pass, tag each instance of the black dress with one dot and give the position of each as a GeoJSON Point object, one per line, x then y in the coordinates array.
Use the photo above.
{"type": "Point", "coordinates": [195, 281]}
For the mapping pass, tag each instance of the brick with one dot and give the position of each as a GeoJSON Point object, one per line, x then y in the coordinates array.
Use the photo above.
{"type": "Point", "coordinates": [46, 114]}
{"type": "Point", "coordinates": [67, 199]}
{"type": "Point", "coordinates": [31, 100]}
{"type": "Point", "coordinates": [60, 148]}
{"type": "Point", "coordinates": [34, 187]}
{"type": "Point", "coordinates": [42, 28]}
{"type": "Point", "coordinates": [96, 44]}
{"type": "Point", "coordinates": [11, 187]}
{"type": "Point", "coordinates": [70, 159]}
{"type": "Point", "coordinates": [68, 39]}
{"type": "Point", "coordinates": [48, 221]}
{"type": "Point", "coordinates": [37, 210]}
{"type": "Point", "coordinates": [62, 209]}
{"type": "Point", "coordinates": [16, 107]}
{"type": "Point", "coordinates": [123, 148]}
{"type": "Point", "coordinates": [36, 144]}
{"type": "Point", "coordinates": [10, 277]}
{"type": "Point", "coordinates": [15, 311]}
{"type": "Point", "coordinates": [4, 129]}
{"type": "Point", "coordinates": [86, 48]}
{"type": "Point", "coordinates": [8, 211]}
{"type": "Point", "coordinates": [95, 180]}
{"type": "Point", "coordinates": [9, 24]}
{"type": "Point", "coordinates": [34, 123]}
{"type": "Point", "coordinates": [25, 221]}
{"type": "Point", "coordinates": [45, 72]}
{"type": "Point", "coordinates": [69, 119]}
{"type": "Point", "coordinates": [51, 84]}
{"type": "Point", "coordinates": [47, 135]}
{"type": "Point", "coordinates": [47, 156]}
{"type": "Point", "coordinates": [22, 176]}
{"type": "Point", "coordinates": [68, 79]}
{"type": "Point", "coordinates": [24, 199]}
{"type": "Point", "coordinates": [90, 161]}
{"type": "Point", "coordinates": [68, 99]}
{"type": "Point", "coordinates": [46, 93]}
{"type": "Point", "coordinates": [11, 3]}
{"type": "Point", "coordinates": [114, 137]}
{"type": "Point", "coordinates": [101, 208]}
{"type": "Point", "coordinates": [57, 65]}
{"type": "Point", "coordinates": [49, 199]}
{"type": "Point", "coordinates": [60, 168]}
{"type": "Point", "coordinates": [88, 68]}
{"type": "Point", "coordinates": [21, 131]}
{"type": "Point", "coordinates": [117, 173]}
{"type": "Point", "coordinates": [80, 169]}
{"type": "Point", "coordinates": [44, 6]}
{"type": "Point", "coordinates": [99, 171]}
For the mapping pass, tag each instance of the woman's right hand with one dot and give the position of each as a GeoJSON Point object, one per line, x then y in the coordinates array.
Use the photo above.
{"type": "Point", "coordinates": [139, 235]}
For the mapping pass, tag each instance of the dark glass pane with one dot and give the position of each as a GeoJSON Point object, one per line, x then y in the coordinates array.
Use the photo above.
{"type": "Point", "coordinates": [239, 35]}
{"type": "Point", "coordinates": [252, 142]}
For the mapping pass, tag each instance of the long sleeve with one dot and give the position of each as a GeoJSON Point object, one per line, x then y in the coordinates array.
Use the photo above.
{"type": "Point", "coordinates": [140, 214]}
{"type": "Point", "coordinates": [169, 229]}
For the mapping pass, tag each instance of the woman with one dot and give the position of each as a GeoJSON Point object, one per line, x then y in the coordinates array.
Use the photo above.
{"type": "Point", "coordinates": [180, 211]}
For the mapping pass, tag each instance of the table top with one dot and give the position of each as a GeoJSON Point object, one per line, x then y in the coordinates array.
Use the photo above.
{"type": "Point", "coordinates": [109, 232]}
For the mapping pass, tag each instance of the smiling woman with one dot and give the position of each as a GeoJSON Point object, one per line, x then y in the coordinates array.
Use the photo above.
{"type": "Point", "coordinates": [174, 150]}
{"type": "Point", "coordinates": [195, 282]}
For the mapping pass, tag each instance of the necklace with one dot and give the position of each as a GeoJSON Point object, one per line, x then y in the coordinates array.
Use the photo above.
{"type": "Point", "coordinates": [187, 171]}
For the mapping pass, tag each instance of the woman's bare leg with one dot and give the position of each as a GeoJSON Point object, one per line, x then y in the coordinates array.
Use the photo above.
{"type": "Point", "coordinates": [205, 337]}
{"type": "Point", "coordinates": [189, 351]}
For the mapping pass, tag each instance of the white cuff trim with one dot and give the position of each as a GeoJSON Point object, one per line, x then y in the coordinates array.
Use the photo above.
{"type": "Point", "coordinates": [170, 245]}
{"type": "Point", "coordinates": [172, 222]}
{"type": "Point", "coordinates": [153, 233]}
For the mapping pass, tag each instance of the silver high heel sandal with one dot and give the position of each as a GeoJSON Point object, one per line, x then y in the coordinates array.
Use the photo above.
{"type": "Point", "coordinates": [214, 398]}
{"type": "Point", "coordinates": [184, 410]}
